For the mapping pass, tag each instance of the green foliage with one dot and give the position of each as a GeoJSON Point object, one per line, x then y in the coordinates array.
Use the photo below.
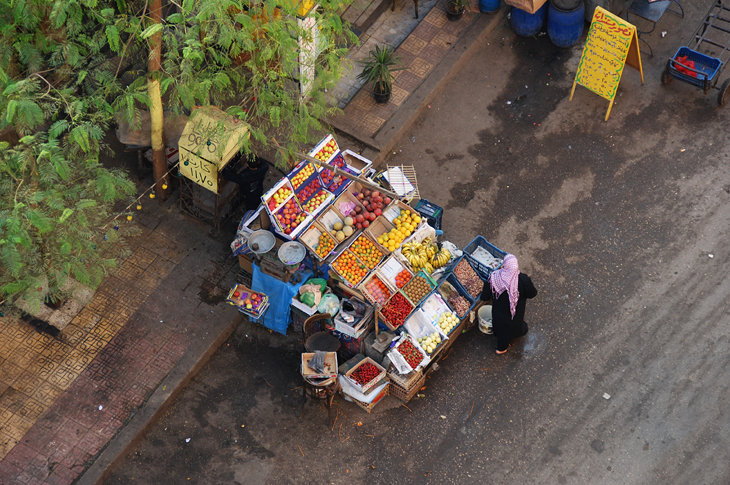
{"type": "Point", "coordinates": [60, 91]}
{"type": "Point", "coordinates": [378, 67]}
{"type": "Point", "coordinates": [55, 197]}
{"type": "Point", "coordinates": [245, 57]}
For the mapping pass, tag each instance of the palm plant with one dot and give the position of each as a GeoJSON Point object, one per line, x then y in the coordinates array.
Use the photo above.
{"type": "Point", "coordinates": [378, 69]}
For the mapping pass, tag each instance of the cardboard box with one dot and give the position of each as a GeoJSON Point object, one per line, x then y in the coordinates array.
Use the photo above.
{"type": "Point", "coordinates": [330, 366]}
{"type": "Point", "coordinates": [310, 239]}
{"type": "Point", "coordinates": [344, 198]}
{"type": "Point", "coordinates": [357, 163]}
{"type": "Point", "coordinates": [377, 228]}
{"type": "Point", "coordinates": [245, 262]}
{"type": "Point", "coordinates": [369, 385]}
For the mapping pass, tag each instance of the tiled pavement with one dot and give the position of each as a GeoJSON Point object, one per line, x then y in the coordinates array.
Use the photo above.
{"type": "Point", "coordinates": [62, 399]}
{"type": "Point", "coordinates": [420, 52]}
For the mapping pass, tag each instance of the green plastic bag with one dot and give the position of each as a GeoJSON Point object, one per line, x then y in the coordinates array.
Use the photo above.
{"type": "Point", "coordinates": [317, 281]}
{"type": "Point", "coordinates": [307, 298]}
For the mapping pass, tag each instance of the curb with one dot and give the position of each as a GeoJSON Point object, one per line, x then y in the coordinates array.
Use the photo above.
{"type": "Point", "coordinates": [395, 128]}
{"type": "Point", "coordinates": [150, 413]}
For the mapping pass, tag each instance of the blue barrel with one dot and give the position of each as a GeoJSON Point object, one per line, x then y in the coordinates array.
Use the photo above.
{"type": "Point", "coordinates": [489, 6]}
{"type": "Point", "coordinates": [565, 27]}
{"type": "Point", "coordinates": [528, 24]}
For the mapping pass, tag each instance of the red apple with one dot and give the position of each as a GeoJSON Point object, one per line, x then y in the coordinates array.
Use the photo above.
{"type": "Point", "coordinates": [360, 218]}
{"type": "Point", "coordinates": [358, 225]}
{"type": "Point", "coordinates": [378, 211]}
{"type": "Point", "coordinates": [365, 224]}
{"type": "Point", "coordinates": [387, 200]}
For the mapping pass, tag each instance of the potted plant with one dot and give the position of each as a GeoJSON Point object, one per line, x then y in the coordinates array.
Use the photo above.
{"type": "Point", "coordinates": [378, 68]}
{"type": "Point", "coordinates": [455, 9]}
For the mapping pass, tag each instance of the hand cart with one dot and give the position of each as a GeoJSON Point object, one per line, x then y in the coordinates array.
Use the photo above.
{"type": "Point", "coordinates": [712, 34]}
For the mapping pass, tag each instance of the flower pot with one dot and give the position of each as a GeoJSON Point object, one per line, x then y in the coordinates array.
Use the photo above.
{"type": "Point", "coordinates": [454, 13]}
{"type": "Point", "coordinates": [381, 93]}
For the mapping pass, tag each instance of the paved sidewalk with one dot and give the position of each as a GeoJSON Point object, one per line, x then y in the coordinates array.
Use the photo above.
{"type": "Point", "coordinates": [421, 51]}
{"type": "Point", "coordinates": [63, 399]}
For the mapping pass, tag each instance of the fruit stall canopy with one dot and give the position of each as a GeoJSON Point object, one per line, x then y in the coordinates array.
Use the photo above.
{"type": "Point", "coordinates": [210, 140]}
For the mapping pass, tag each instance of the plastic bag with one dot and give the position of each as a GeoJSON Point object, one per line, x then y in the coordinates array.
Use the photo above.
{"type": "Point", "coordinates": [307, 298]}
{"type": "Point", "coordinates": [329, 304]}
{"type": "Point", "coordinates": [318, 281]}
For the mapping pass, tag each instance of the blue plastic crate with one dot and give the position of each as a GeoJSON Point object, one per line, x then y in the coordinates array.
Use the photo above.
{"type": "Point", "coordinates": [479, 242]}
{"type": "Point", "coordinates": [431, 212]}
{"type": "Point", "coordinates": [484, 279]}
{"type": "Point", "coordinates": [451, 279]}
{"type": "Point", "coordinates": [707, 66]}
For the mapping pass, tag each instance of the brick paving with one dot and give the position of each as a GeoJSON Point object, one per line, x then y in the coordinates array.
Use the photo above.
{"type": "Point", "coordinates": [62, 399]}
{"type": "Point", "coordinates": [419, 53]}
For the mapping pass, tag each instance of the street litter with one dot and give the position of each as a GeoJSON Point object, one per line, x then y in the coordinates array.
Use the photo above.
{"type": "Point", "coordinates": [606, 396]}
{"type": "Point", "coordinates": [187, 440]}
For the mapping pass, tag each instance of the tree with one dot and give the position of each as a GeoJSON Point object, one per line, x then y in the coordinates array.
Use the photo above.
{"type": "Point", "coordinates": [60, 62]}
{"type": "Point", "coordinates": [245, 56]}
{"type": "Point", "coordinates": [55, 196]}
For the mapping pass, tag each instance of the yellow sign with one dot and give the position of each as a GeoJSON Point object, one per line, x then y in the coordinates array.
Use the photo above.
{"type": "Point", "coordinates": [199, 170]}
{"type": "Point", "coordinates": [611, 44]}
{"type": "Point", "coordinates": [210, 140]}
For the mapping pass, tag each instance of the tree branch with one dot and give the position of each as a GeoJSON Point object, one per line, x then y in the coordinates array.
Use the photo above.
{"type": "Point", "coordinates": [124, 51]}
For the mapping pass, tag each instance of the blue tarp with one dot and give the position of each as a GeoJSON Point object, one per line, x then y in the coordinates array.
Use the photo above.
{"type": "Point", "coordinates": [278, 315]}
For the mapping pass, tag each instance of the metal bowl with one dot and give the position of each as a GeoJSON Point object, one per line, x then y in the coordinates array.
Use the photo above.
{"type": "Point", "coordinates": [292, 253]}
{"type": "Point", "coordinates": [261, 241]}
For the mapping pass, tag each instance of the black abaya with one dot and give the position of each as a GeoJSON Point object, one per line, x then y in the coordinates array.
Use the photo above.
{"type": "Point", "coordinates": [506, 327]}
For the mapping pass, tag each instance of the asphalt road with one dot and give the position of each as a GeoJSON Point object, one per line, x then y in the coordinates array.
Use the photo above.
{"type": "Point", "coordinates": [623, 227]}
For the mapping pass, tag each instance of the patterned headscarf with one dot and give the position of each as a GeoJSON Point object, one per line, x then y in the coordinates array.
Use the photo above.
{"type": "Point", "coordinates": [506, 279]}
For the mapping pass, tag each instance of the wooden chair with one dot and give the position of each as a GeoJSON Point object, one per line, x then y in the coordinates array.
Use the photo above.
{"type": "Point", "coordinates": [311, 334]}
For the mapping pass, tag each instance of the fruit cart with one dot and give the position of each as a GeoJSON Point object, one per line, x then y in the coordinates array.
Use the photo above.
{"type": "Point", "coordinates": [696, 63]}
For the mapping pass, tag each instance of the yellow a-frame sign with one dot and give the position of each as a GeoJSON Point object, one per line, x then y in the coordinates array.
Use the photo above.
{"type": "Point", "coordinates": [612, 43]}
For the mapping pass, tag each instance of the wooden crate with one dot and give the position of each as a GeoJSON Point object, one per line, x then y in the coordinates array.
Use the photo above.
{"type": "Point", "coordinates": [406, 394]}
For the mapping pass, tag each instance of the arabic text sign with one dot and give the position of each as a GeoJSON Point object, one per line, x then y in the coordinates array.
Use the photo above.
{"type": "Point", "coordinates": [199, 170]}
{"type": "Point", "coordinates": [605, 53]}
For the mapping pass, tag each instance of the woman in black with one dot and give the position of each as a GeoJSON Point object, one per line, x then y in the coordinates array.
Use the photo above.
{"type": "Point", "coordinates": [509, 290]}
{"type": "Point", "coordinates": [250, 180]}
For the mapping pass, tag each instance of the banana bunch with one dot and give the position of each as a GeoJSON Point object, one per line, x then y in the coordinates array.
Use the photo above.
{"type": "Point", "coordinates": [441, 258]}
{"type": "Point", "coordinates": [421, 255]}
{"type": "Point", "coordinates": [416, 254]}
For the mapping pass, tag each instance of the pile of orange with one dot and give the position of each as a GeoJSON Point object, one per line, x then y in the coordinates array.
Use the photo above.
{"type": "Point", "coordinates": [350, 268]}
{"type": "Point", "coordinates": [378, 290]}
{"type": "Point", "coordinates": [366, 251]}
{"type": "Point", "coordinates": [325, 246]}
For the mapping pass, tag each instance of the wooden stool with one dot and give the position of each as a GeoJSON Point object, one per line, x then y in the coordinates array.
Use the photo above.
{"type": "Point", "coordinates": [324, 391]}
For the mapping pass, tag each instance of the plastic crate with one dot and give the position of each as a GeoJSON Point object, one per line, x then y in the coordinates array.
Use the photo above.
{"type": "Point", "coordinates": [479, 242]}
{"type": "Point", "coordinates": [707, 67]}
{"type": "Point", "coordinates": [465, 260]}
{"type": "Point", "coordinates": [430, 212]}
{"type": "Point", "coordinates": [451, 279]}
